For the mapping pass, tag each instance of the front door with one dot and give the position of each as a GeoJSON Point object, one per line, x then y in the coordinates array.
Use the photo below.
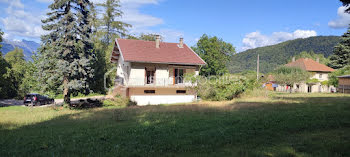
{"type": "Point", "coordinates": [309, 88]}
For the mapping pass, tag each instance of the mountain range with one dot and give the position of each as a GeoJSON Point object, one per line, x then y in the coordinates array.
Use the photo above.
{"type": "Point", "coordinates": [279, 54]}
{"type": "Point", "coordinates": [28, 47]}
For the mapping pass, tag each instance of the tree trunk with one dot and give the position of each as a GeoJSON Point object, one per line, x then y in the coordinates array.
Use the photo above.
{"type": "Point", "coordinates": [66, 92]}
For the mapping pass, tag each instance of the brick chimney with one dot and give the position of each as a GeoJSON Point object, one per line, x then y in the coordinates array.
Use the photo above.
{"type": "Point", "coordinates": [157, 41]}
{"type": "Point", "coordinates": [318, 60]}
{"type": "Point", "coordinates": [181, 43]}
{"type": "Point", "coordinates": [293, 60]}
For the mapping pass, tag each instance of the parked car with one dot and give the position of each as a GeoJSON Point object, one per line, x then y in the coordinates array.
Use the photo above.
{"type": "Point", "coordinates": [37, 100]}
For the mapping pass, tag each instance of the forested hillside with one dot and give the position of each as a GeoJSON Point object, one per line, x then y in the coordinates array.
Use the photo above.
{"type": "Point", "coordinates": [275, 55]}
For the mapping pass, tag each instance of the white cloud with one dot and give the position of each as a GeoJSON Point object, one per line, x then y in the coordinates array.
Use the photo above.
{"type": "Point", "coordinates": [141, 23]}
{"type": "Point", "coordinates": [138, 20]}
{"type": "Point", "coordinates": [13, 3]}
{"type": "Point", "coordinates": [6, 36]}
{"type": "Point", "coordinates": [19, 22]}
{"type": "Point", "coordinates": [256, 39]}
{"type": "Point", "coordinates": [45, 1]}
{"type": "Point", "coordinates": [170, 34]}
{"type": "Point", "coordinates": [343, 19]}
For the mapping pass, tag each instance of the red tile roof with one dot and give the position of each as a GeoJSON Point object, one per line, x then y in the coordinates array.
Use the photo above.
{"type": "Point", "coordinates": [310, 65]}
{"type": "Point", "coordinates": [146, 51]}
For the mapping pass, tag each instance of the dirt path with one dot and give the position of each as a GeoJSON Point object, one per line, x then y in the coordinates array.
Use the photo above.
{"type": "Point", "coordinates": [13, 102]}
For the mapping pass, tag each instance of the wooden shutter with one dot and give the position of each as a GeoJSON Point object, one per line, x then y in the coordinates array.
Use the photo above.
{"type": "Point", "coordinates": [171, 74]}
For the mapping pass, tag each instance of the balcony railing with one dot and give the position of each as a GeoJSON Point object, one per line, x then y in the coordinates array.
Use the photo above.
{"type": "Point", "coordinates": [158, 82]}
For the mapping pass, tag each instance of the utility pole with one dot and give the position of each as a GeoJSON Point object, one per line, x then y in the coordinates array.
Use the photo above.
{"type": "Point", "coordinates": [257, 68]}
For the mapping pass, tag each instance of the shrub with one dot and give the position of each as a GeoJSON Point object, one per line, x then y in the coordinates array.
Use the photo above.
{"type": "Point", "coordinates": [119, 101]}
{"type": "Point", "coordinates": [224, 87]}
{"type": "Point", "coordinates": [289, 75]}
{"type": "Point", "coordinates": [312, 81]}
{"type": "Point", "coordinates": [256, 92]}
{"type": "Point", "coordinates": [333, 77]}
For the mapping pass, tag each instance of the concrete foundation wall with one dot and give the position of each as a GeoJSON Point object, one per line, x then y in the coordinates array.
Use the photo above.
{"type": "Point", "coordinates": [161, 99]}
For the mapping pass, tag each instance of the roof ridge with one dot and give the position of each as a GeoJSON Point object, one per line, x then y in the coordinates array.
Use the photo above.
{"type": "Point", "coordinates": [310, 65]}
{"type": "Point", "coordinates": [146, 51]}
{"type": "Point", "coordinates": [149, 41]}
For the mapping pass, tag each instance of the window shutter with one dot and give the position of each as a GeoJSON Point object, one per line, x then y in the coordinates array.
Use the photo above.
{"type": "Point", "coordinates": [171, 75]}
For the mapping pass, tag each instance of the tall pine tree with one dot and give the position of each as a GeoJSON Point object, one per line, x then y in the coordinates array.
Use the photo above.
{"type": "Point", "coordinates": [106, 27]}
{"type": "Point", "coordinates": [341, 52]}
{"type": "Point", "coordinates": [1, 33]}
{"type": "Point", "coordinates": [67, 49]}
{"type": "Point", "coordinates": [109, 24]}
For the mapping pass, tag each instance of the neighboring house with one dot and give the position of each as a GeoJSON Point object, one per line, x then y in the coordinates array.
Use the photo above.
{"type": "Point", "coordinates": [319, 72]}
{"type": "Point", "coordinates": [152, 72]}
{"type": "Point", "coordinates": [271, 83]}
{"type": "Point", "coordinates": [344, 84]}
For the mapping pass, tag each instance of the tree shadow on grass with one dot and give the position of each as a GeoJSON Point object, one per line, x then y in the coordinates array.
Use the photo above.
{"type": "Point", "coordinates": [239, 129]}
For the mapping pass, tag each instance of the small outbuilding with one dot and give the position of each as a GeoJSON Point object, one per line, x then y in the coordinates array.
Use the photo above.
{"type": "Point", "coordinates": [344, 84]}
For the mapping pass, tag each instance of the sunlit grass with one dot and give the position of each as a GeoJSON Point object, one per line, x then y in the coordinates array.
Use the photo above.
{"type": "Point", "coordinates": [275, 124]}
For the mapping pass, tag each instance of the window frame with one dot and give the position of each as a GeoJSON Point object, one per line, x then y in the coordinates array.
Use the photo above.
{"type": "Point", "coordinates": [149, 91]}
{"type": "Point", "coordinates": [177, 79]}
{"type": "Point", "coordinates": [181, 91]}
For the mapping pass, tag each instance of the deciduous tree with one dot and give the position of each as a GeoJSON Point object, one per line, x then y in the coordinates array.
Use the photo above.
{"type": "Point", "coordinates": [290, 75]}
{"type": "Point", "coordinates": [215, 52]}
{"type": "Point", "coordinates": [15, 72]}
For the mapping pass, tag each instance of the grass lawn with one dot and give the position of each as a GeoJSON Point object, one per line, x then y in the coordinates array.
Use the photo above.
{"type": "Point", "coordinates": [279, 125]}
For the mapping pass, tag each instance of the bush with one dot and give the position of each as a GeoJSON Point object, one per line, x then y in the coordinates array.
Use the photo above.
{"type": "Point", "coordinates": [224, 87]}
{"type": "Point", "coordinates": [285, 75]}
{"type": "Point", "coordinates": [333, 77]}
{"type": "Point", "coordinates": [256, 93]}
{"type": "Point", "coordinates": [119, 101]}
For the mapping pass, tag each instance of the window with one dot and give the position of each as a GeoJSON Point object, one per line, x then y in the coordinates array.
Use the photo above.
{"type": "Point", "coordinates": [149, 91]}
{"type": "Point", "coordinates": [320, 75]}
{"type": "Point", "coordinates": [180, 91]}
{"type": "Point", "coordinates": [150, 75]}
{"type": "Point", "coordinates": [179, 74]}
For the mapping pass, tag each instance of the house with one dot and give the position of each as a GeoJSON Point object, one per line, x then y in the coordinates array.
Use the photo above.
{"type": "Point", "coordinates": [152, 72]}
{"type": "Point", "coordinates": [344, 84]}
{"type": "Point", "coordinates": [318, 71]}
{"type": "Point", "coordinates": [271, 84]}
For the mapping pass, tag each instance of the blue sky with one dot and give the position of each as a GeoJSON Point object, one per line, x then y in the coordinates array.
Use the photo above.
{"type": "Point", "coordinates": [246, 24]}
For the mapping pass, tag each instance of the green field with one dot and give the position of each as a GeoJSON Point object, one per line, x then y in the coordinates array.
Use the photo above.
{"type": "Point", "coordinates": [279, 125]}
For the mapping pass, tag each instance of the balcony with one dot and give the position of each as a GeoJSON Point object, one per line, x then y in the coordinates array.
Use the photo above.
{"type": "Point", "coordinates": [158, 82]}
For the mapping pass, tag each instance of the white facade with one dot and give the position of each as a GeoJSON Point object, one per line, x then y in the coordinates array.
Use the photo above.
{"type": "Point", "coordinates": [162, 99]}
{"type": "Point", "coordinates": [132, 76]}
{"type": "Point", "coordinates": [149, 80]}
{"type": "Point", "coordinates": [310, 88]}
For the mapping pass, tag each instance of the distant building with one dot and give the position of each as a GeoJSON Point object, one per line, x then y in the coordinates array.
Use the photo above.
{"type": "Point", "coordinates": [344, 84]}
{"type": "Point", "coordinates": [271, 83]}
{"type": "Point", "coordinates": [319, 71]}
